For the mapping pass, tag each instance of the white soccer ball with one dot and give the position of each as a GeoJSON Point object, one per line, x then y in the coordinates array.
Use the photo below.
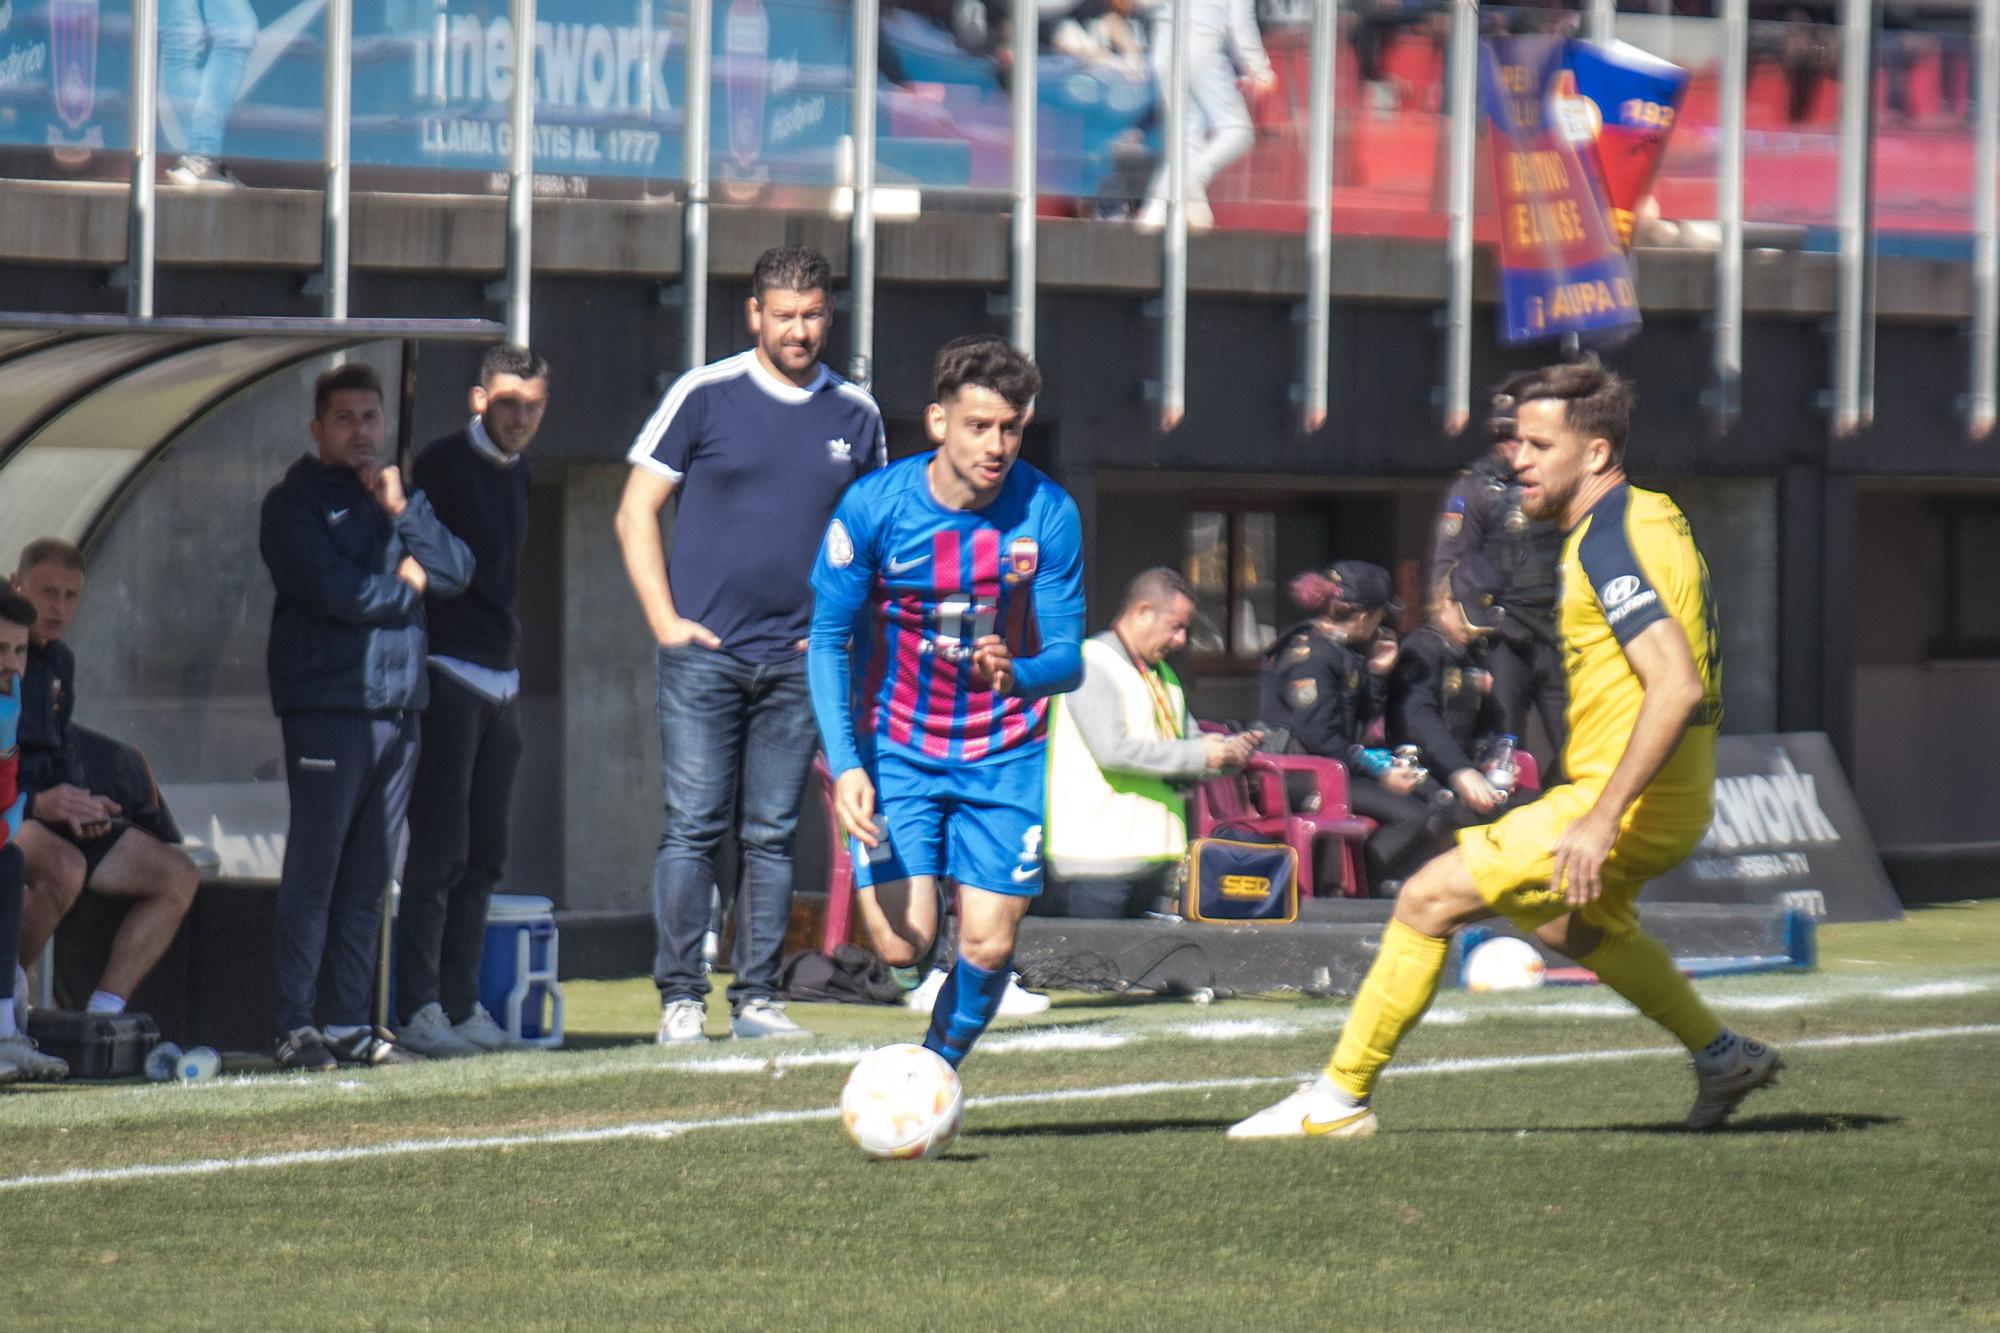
{"type": "Point", "coordinates": [902, 1103]}
{"type": "Point", "coordinates": [1504, 963]}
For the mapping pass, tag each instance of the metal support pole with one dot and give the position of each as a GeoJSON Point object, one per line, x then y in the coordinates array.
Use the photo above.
{"type": "Point", "coordinates": [1319, 212]}
{"type": "Point", "coordinates": [144, 125]}
{"type": "Point", "coordinates": [861, 246]}
{"type": "Point", "coordinates": [338, 88]}
{"type": "Point", "coordinates": [1021, 297]}
{"type": "Point", "coordinates": [694, 155]}
{"type": "Point", "coordinates": [521, 174]}
{"type": "Point", "coordinates": [1851, 405]}
{"type": "Point", "coordinates": [1464, 76]}
{"type": "Point", "coordinates": [1173, 242]}
{"type": "Point", "coordinates": [1986, 222]}
{"type": "Point", "coordinates": [1727, 360]}
{"type": "Point", "coordinates": [1597, 22]}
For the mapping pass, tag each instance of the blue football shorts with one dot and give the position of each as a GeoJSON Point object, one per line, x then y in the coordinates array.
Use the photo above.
{"type": "Point", "coordinates": [979, 824]}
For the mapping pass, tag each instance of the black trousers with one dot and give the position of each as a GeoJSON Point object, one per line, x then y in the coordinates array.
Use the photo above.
{"type": "Point", "coordinates": [1103, 897]}
{"type": "Point", "coordinates": [1408, 835]}
{"type": "Point", "coordinates": [1528, 680]}
{"type": "Point", "coordinates": [349, 777]}
{"type": "Point", "coordinates": [458, 846]}
{"type": "Point", "coordinates": [13, 887]}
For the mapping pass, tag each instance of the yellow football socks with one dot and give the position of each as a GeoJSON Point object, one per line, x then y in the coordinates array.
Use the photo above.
{"type": "Point", "coordinates": [1638, 968]}
{"type": "Point", "coordinates": [1393, 996]}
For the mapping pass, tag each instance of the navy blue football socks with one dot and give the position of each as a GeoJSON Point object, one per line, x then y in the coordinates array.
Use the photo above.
{"type": "Point", "coordinates": [965, 1004]}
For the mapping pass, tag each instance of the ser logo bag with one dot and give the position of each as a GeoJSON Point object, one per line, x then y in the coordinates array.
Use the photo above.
{"type": "Point", "coordinates": [1234, 883]}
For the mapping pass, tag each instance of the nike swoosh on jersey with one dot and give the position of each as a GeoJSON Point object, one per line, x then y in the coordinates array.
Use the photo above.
{"type": "Point", "coordinates": [1022, 874]}
{"type": "Point", "coordinates": [1318, 1127]}
{"type": "Point", "coordinates": [905, 566]}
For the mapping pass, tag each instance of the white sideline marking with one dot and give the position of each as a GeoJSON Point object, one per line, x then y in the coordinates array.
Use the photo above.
{"type": "Point", "coordinates": [1056, 1039]}
{"type": "Point", "coordinates": [666, 1129]}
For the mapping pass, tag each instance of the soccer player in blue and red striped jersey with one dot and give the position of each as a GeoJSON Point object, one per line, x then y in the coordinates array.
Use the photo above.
{"type": "Point", "coordinates": [948, 609]}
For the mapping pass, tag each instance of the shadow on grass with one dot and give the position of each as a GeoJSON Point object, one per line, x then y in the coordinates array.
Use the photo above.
{"type": "Point", "coordinates": [1095, 1128]}
{"type": "Point", "coordinates": [1798, 1122]}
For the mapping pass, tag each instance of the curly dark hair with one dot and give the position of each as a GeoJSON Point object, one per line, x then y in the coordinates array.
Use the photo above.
{"type": "Point", "coordinates": [985, 361]}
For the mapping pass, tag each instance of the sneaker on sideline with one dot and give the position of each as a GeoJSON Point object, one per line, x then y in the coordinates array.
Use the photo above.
{"type": "Point", "coordinates": [1015, 1002]}
{"type": "Point", "coordinates": [1307, 1113]}
{"type": "Point", "coordinates": [28, 1060]}
{"type": "Point", "coordinates": [369, 1047]}
{"type": "Point", "coordinates": [304, 1048]}
{"type": "Point", "coordinates": [764, 1017]}
{"type": "Point", "coordinates": [430, 1033]}
{"type": "Point", "coordinates": [1018, 1001]}
{"type": "Point", "coordinates": [924, 998]}
{"type": "Point", "coordinates": [681, 1023]}
{"type": "Point", "coordinates": [1719, 1091]}
{"type": "Point", "coordinates": [483, 1032]}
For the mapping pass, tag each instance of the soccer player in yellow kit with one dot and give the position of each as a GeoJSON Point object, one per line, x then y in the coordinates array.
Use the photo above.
{"type": "Point", "coordinates": [1643, 654]}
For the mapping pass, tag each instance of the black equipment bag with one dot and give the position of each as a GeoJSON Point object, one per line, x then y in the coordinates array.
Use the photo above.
{"type": "Point", "coordinates": [95, 1045]}
{"type": "Point", "coordinates": [850, 975]}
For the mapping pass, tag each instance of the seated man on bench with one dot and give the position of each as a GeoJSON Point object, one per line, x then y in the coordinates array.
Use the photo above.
{"type": "Point", "coordinates": [77, 835]}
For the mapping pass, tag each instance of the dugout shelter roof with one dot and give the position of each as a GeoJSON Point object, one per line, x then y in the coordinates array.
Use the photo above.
{"type": "Point", "coordinates": [89, 402]}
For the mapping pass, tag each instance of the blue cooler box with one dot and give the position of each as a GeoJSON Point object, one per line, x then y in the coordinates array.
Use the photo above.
{"type": "Point", "coordinates": [517, 974]}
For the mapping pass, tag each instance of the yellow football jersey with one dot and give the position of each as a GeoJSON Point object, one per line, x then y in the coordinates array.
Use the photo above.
{"type": "Point", "coordinates": [1630, 563]}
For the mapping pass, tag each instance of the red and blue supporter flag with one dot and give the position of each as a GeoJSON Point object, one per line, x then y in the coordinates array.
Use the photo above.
{"type": "Point", "coordinates": [1562, 267]}
{"type": "Point", "coordinates": [1633, 99]}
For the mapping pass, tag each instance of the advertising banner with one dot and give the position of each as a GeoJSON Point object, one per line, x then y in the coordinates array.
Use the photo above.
{"type": "Point", "coordinates": [1562, 267]}
{"type": "Point", "coordinates": [240, 80]}
{"type": "Point", "coordinates": [1786, 832]}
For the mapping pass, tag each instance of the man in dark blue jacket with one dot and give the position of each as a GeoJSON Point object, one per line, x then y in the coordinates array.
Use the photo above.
{"type": "Point", "coordinates": [477, 479]}
{"type": "Point", "coordinates": [352, 557]}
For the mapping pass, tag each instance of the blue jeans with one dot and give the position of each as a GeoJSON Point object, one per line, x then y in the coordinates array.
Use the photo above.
{"type": "Point", "coordinates": [727, 725]}
{"type": "Point", "coordinates": [203, 91]}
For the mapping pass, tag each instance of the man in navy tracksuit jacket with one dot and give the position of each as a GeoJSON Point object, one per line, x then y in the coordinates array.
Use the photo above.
{"type": "Point", "coordinates": [352, 557]}
{"type": "Point", "coordinates": [477, 479]}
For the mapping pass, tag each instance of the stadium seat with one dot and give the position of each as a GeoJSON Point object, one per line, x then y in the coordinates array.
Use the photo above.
{"type": "Point", "coordinates": [1314, 796]}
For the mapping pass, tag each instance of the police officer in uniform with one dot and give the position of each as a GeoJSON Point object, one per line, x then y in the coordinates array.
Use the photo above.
{"type": "Point", "coordinates": [1482, 516]}
{"type": "Point", "coordinates": [1441, 697]}
{"type": "Point", "coordinates": [1325, 680]}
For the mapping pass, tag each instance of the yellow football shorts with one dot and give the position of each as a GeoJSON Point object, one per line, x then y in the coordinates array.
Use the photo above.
{"type": "Point", "coordinates": [1512, 858]}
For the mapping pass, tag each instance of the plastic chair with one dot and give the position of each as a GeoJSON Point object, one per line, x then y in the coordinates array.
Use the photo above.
{"type": "Point", "coordinates": [1321, 812]}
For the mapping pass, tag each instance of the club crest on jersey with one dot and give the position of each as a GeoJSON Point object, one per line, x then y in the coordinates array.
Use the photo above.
{"type": "Point", "coordinates": [1024, 555]}
{"type": "Point", "coordinates": [1302, 693]}
{"type": "Point", "coordinates": [840, 451]}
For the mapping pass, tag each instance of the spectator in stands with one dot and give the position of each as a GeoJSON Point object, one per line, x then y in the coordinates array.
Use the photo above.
{"type": "Point", "coordinates": [19, 1057]}
{"type": "Point", "coordinates": [352, 556]}
{"type": "Point", "coordinates": [1122, 750]}
{"type": "Point", "coordinates": [204, 45]}
{"type": "Point", "coordinates": [1325, 683]}
{"type": "Point", "coordinates": [477, 480]}
{"type": "Point", "coordinates": [1441, 695]}
{"type": "Point", "coordinates": [83, 830]}
{"type": "Point", "coordinates": [1224, 41]}
{"type": "Point", "coordinates": [759, 446]}
{"type": "Point", "coordinates": [1373, 29]}
{"type": "Point", "coordinates": [1806, 56]}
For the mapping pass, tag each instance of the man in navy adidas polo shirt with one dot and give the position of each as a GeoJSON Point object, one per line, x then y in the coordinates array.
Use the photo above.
{"type": "Point", "coordinates": [758, 446]}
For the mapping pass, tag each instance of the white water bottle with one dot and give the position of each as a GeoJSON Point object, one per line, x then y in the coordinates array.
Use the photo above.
{"type": "Point", "coordinates": [1502, 773]}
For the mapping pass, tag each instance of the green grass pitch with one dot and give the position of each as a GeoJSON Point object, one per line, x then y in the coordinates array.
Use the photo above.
{"type": "Point", "coordinates": [1530, 1174]}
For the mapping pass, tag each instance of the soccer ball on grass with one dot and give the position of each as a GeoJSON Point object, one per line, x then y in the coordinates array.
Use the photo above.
{"type": "Point", "coordinates": [902, 1103]}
